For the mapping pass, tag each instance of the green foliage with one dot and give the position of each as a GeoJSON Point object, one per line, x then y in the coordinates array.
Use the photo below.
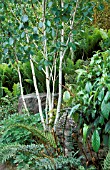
{"type": "Point", "coordinates": [40, 136]}
{"type": "Point", "coordinates": [8, 76]}
{"type": "Point", "coordinates": [66, 96]}
{"type": "Point", "coordinates": [92, 93]}
{"type": "Point", "coordinates": [22, 143]}
{"type": "Point", "coordinates": [67, 163]}
{"type": "Point", "coordinates": [25, 18]}
{"type": "Point", "coordinates": [15, 134]}
{"type": "Point", "coordinates": [96, 141]}
{"type": "Point", "coordinates": [24, 155]}
{"type": "Point", "coordinates": [14, 93]}
{"type": "Point", "coordinates": [8, 104]}
{"type": "Point", "coordinates": [85, 130]}
{"type": "Point", "coordinates": [28, 79]}
{"type": "Point", "coordinates": [35, 157]}
{"type": "Point", "coordinates": [29, 147]}
{"type": "Point", "coordinates": [89, 40]}
{"type": "Point", "coordinates": [107, 162]}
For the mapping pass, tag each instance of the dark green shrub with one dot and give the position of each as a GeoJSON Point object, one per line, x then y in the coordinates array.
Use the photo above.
{"type": "Point", "coordinates": [89, 40]}
{"type": "Point", "coordinates": [93, 95]}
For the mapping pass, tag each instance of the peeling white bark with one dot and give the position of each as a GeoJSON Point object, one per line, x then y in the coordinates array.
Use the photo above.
{"type": "Point", "coordinates": [60, 75]}
{"type": "Point", "coordinates": [21, 87]}
{"type": "Point", "coordinates": [45, 56]}
{"type": "Point", "coordinates": [37, 93]}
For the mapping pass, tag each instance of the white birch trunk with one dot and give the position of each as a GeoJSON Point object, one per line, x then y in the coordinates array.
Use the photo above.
{"type": "Point", "coordinates": [60, 75]}
{"type": "Point", "coordinates": [37, 94]}
{"type": "Point", "coordinates": [53, 81]}
{"type": "Point", "coordinates": [45, 56]}
{"type": "Point", "coordinates": [21, 87]}
{"type": "Point", "coordinates": [71, 28]}
{"type": "Point", "coordinates": [46, 114]}
{"type": "Point", "coordinates": [62, 54]}
{"type": "Point", "coordinates": [71, 40]}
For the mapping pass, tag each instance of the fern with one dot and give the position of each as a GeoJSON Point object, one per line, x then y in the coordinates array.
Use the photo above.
{"type": "Point", "coordinates": [7, 152]}
{"type": "Point", "coordinates": [67, 162]}
{"type": "Point", "coordinates": [10, 151]}
{"type": "Point", "coordinates": [7, 91]}
{"type": "Point", "coordinates": [36, 152]}
{"type": "Point", "coordinates": [107, 162]}
{"type": "Point", "coordinates": [40, 136]}
{"type": "Point", "coordinates": [16, 89]}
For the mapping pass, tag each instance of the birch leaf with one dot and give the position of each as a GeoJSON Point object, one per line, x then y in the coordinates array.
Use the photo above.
{"type": "Point", "coordinates": [48, 23]}
{"type": "Point", "coordinates": [25, 18]}
{"type": "Point", "coordinates": [50, 4]}
{"type": "Point", "coordinates": [66, 96]}
{"type": "Point", "coordinates": [11, 41]}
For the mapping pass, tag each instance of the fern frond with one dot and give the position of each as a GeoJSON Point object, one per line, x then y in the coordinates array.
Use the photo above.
{"type": "Point", "coordinates": [10, 151]}
{"type": "Point", "coordinates": [16, 89]}
{"type": "Point", "coordinates": [7, 91]}
{"type": "Point", "coordinates": [107, 162]}
{"type": "Point", "coordinates": [7, 152]}
{"type": "Point", "coordinates": [40, 136]}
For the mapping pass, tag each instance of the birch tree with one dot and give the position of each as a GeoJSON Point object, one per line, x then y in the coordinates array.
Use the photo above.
{"type": "Point", "coordinates": [49, 26]}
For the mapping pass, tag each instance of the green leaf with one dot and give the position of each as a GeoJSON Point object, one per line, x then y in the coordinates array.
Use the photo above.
{"type": "Point", "coordinates": [88, 87]}
{"type": "Point", "coordinates": [29, 81]}
{"type": "Point", "coordinates": [24, 18]}
{"type": "Point", "coordinates": [73, 110]}
{"type": "Point", "coordinates": [101, 120]}
{"type": "Point", "coordinates": [80, 72]}
{"type": "Point", "coordinates": [35, 30]}
{"type": "Point", "coordinates": [74, 32]}
{"type": "Point", "coordinates": [46, 63]}
{"type": "Point", "coordinates": [23, 34]}
{"type": "Point", "coordinates": [85, 130]}
{"type": "Point", "coordinates": [48, 23]}
{"type": "Point", "coordinates": [11, 41]}
{"type": "Point", "coordinates": [106, 139]}
{"type": "Point", "coordinates": [16, 89]}
{"type": "Point", "coordinates": [101, 95]}
{"type": "Point", "coordinates": [21, 26]}
{"type": "Point", "coordinates": [96, 141]}
{"type": "Point", "coordinates": [107, 96]}
{"type": "Point", "coordinates": [40, 24]}
{"type": "Point", "coordinates": [50, 4]}
{"type": "Point", "coordinates": [7, 91]}
{"type": "Point", "coordinates": [66, 96]}
{"type": "Point", "coordinates": [40, 67]}
{"type": "Point", "coordinates": [103, 34]}
{"type": "Point", "coordinates": [107, 127]}
{"type": "Point", "coordinates": [105, 109]}
{"type": "Point", "coordinates": [53, 33]}
{"type": "Point", "coordinates": [72, 45]}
